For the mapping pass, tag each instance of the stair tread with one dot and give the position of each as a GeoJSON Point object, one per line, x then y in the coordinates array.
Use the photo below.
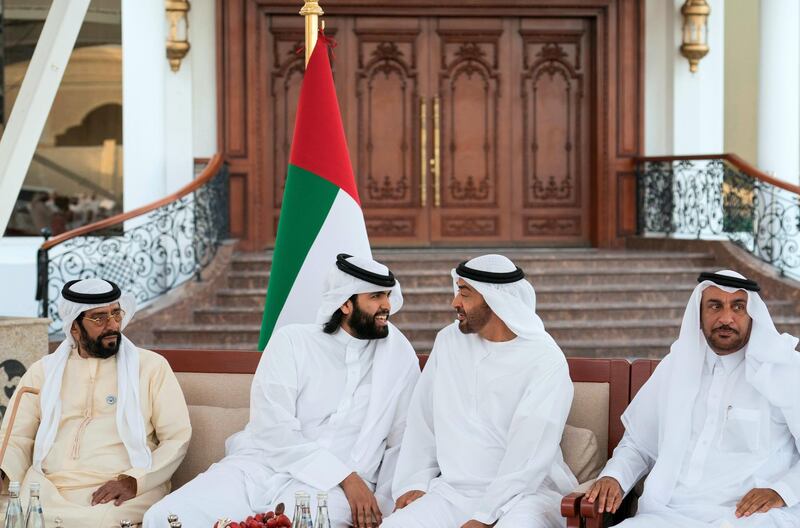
{"type": "Point", "coordinates": [442, 307]}
{"type": "Point", "coordinates": [578, 271]}
{"type": "Point", "coordinates": [560, 288]}
{"type": "Point", "coordinates": [548, 254]}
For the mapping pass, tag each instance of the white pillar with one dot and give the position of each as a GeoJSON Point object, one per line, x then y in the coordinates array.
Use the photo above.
{"type": "Point", "coordinates": [203, 56]}
{"type": "Point", "coordinates": [178, 126]}
{"type": "Point", "coordinates": [779, 90]}
{"type": "Point", "coordinates": [144, 66]}
{"type": "Point", "coordinates": [684, 111]}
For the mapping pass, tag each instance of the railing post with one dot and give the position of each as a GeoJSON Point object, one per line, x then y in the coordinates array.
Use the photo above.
{"type": "Point", "coordinates": [42, 265]}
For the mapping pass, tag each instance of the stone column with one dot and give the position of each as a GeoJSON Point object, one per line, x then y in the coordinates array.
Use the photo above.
{"type": "Point", "coordinates": [779, 90]}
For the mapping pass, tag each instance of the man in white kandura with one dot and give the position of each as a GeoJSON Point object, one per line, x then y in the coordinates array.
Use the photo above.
{"type": "Point", "coordinates": [109, 426]}
{"type": "Point", "coordinates": [482, 444]}
{"type": "Point", "coordinates": [327, 412]}
{"type": "Point", "coordinates": [717, 426]}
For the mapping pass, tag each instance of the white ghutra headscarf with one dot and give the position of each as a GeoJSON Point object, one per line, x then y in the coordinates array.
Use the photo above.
{"type": "Point", "coordinates": [659, 417]}
{"type": "Point", "coordinates": [130, 422]}
{"type": "Point", "coordinates": [505, 289]}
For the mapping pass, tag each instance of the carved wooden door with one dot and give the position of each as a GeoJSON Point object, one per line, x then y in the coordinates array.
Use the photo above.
{"type": "Point", "coordinates": [461, 131]}
{"type": "Point", "coordinates": [552, 160]}
{"type": "Point", "coordinates": [388, 80]}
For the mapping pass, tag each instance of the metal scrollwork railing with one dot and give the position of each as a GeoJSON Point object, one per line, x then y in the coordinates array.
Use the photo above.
{"type": "Point", "coordinates": [148, 251]}
{"type": "Point", "coordinates": [721, 197]}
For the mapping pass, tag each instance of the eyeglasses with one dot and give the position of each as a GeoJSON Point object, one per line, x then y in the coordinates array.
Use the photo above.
{"type": "Point", "coordinates": [103, 318]}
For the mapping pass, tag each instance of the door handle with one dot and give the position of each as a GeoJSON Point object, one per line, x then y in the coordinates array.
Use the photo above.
{"type": "Point", "coordinates": [436, 160]}
{"type": "Point", "coordinates": [423, 152]}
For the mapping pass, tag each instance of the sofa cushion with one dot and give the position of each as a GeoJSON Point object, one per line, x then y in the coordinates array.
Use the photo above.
{"type": "Point", "coordinates": [581, 452]}
{"type": "Point", "coordinates": [217, 390]}
{"type": "Point", "coordinates": [210, 427]}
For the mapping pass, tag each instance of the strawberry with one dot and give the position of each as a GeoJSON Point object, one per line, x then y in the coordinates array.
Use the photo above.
{"type": "Point", "coordinates": [272, 523]}
{"type": "Point", "coordinates": [269, 515]}
{"type": "Point", "coordinates": [284, 521]}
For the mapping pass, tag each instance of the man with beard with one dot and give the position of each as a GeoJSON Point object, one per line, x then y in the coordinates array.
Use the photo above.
{"type": "Point", "coordinates": [717, 426]}
{"type": "Point", "coordinates": [327, 412]}
{"type": "Point", "coordinates": [109, 426]}
{"type": "Point", "coordinates": [482, 445]}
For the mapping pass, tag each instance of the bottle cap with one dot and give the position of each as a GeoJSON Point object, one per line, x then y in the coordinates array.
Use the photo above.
{"type": "Point", "coordinates": [35, 486]}
{"type": "Point", "coordinates": [322, 496]}
{"type": "Point", "coordinates": [14, 486]}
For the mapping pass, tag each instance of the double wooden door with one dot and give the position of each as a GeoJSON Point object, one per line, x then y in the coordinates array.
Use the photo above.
{"type": "Point", "coordinates": [461, 130]}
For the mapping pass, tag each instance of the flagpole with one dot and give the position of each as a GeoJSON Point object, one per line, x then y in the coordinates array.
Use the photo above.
{"type": "Point", "coordinates": [311, 11]}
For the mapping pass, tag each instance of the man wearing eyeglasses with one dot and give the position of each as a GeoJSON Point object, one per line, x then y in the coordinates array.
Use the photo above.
{"type": "Point", "coordinates": [110, 425]}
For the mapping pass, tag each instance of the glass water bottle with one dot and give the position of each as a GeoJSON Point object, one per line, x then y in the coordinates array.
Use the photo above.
{"type": "Point", "coordinates": [323, 520]}
{"type": "Point", "coordinates": [14, 516]}
{"type": "Point", "coordinates": [297, 517]}
{"type": "Point", "coordinates": [34, 518]}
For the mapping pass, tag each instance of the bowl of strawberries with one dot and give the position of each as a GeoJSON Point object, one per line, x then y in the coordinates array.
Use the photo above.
{"type": "Point", "coordinates": [270, 519]}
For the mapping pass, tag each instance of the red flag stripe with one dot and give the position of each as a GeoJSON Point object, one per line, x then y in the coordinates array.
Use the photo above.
{"type": "Point", "coordinates": [324, 154]}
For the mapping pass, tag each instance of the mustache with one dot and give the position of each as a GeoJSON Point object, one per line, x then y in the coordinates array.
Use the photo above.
{"type": "Point", "coordinates": [726, 328]}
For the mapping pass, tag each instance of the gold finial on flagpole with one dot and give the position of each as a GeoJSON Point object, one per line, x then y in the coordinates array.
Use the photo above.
{"type": "Point", "coordinates": [311, 11]}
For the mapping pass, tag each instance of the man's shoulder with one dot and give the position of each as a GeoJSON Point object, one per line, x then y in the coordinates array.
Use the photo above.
{"type": "Point", "coordinates": [450, 331]}
{"type": "Point", "coordinates": [300, 330]}
{"type": "Point", "coordinates": [150, 360]}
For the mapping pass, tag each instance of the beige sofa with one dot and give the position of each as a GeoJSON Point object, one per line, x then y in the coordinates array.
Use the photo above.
{"type": "Point", "coordinates": [216, 385]}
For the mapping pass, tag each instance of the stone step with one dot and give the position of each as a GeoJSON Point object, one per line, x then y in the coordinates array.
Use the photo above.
{"type": "Point", "coordinates": [540, 260]}
{"type": "Point", "coordinates": [444, 314]}
{"type": "Point", "coordinates": [575, 277]}
{"type": "Point", "coordinates": [572, 336]}
{"type": "Point", "coordinates": [632, 293]}
{"type": "Point", "coordinates": [629, 349]}
{"type": "Point", "coordinates": [576, 295]}
{"type": "Point", "coordinates": [598, 331]}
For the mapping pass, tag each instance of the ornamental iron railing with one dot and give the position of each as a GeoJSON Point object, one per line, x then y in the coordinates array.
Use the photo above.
{"type": "Point", "coordinates": [148, 251]}
{"type": "Point", "coordinates": [721, 197]}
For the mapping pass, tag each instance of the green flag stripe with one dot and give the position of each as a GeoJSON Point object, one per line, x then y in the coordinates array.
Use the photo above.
{"type": "Point", "coordinates": [307, 199]}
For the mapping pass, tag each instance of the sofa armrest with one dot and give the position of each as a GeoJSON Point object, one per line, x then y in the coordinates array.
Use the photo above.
{"type": "Point", "coordinates": [570, 508]}
{"type": "Point", "coordinates": [590, 512]}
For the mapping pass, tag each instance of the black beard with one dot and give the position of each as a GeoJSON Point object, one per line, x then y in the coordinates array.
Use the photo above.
{"type": "Point", "coordinates": [363, 324]}
{"type": "Point", "coordinates": [474, 321]}
{"type": "Point", "coordinates": [96, 348]}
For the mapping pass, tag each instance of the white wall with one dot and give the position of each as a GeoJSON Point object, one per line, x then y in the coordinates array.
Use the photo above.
{"type": "Point", "coordinates": [684, 111]}
{"type": "Point", "coordinates": [18, 269]}
{"type": "Point", "coordinates": [779, 89]}
{"type": "Point", "coordinates": [203, 56]}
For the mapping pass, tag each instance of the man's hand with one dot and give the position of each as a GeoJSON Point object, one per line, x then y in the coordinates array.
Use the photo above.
{"type": "Point", "coordinates": [758, 500]}
{"type": "Point", "coordinates": [117, 490]}
{"type": "Point", "coordinates": [407, 498]}
{"type": "Point", "coordinates": [608, 491]}
{"type": "Point", "coordinates": [475, 524]}
{"type": "Point", "coordinates": [363, 505]}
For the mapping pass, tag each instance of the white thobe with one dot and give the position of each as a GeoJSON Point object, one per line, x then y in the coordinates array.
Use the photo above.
{"type": "Point", "coordinates": [321, 407]}
{"type": "Point", "coordinates": [739, 441]}
{"type": "Point", "coordinates": [483, 435]}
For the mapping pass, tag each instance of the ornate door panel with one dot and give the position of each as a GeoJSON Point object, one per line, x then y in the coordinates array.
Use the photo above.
{"type": "Point", "coordinates": [470, 114]}
{"type": "Point", "coordinates": [391, 67]}
{"type": "Point", "coordinates": [552, 181]}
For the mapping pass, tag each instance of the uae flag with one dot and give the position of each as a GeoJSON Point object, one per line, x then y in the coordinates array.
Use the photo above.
{"type": "Point", "coordinates": [321, 212]}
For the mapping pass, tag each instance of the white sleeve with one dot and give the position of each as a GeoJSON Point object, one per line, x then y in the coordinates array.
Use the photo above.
{"type": "Point", "coordinates": [534, 439]}
{"type": "Point", "coordinates": [788, 485]}
{"type": "Point", "coordinates": [417, 464]}
{"type": "Point", "coordinates": [628, 464]}
{"type": "Point", "coordinates": [383, 488]}
{"type": "Point", "coordinates": [274, 425]}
